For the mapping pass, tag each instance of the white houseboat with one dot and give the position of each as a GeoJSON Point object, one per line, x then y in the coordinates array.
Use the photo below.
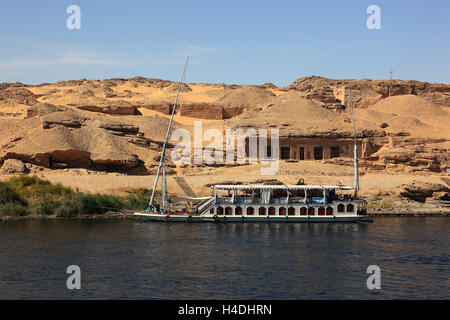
{"type": "Point", "coordinates": [283, 203]}
{"type": "Point", "coordinates": [270, 203]}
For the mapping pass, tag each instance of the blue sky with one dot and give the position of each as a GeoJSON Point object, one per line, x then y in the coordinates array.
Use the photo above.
{"type": "Point", "coordinates": [242, 42]}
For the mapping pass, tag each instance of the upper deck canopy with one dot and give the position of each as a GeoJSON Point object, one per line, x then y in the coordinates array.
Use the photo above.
{"type": "Point", "coordinates": [277, 187]}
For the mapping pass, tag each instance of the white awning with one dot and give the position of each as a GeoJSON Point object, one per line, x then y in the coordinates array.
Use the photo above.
{"type": "Point", "coordinates": [277, 187]}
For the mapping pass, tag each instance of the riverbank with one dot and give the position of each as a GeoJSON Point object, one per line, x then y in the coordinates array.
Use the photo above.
{"type": "Point", "coordinates": [377, 208]}
{"type": "Point", "coordinates": [27, 197]}
{"type": "Point", "coordinates": [106, 216]}
{"type": "Point", "coordinates": [31, 198]}
{"type": "Point", "coordinates": [406, 207]}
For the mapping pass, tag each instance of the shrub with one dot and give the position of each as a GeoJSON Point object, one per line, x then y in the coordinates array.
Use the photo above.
{"type": "Point", "coordinates": [8, 195]}
{"type": "Point", "coordinates": [97, 203]}
{"type": "Point", "coordinates": [137, 199]}
{"type": "Point", "coordinates": [12, 209]}
{"type": "Point", "coordinates": [67, 208]}
{"type": "Point", "coordinates": [108, 202]}
{"type": "Point", "coordinates": [24, 194]}
{"type": "Point", "coordinates": [42, 206]}
{"type": "Point", "coordinates": [32, 186]}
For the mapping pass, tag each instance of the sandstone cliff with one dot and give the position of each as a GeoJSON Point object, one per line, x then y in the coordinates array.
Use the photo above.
{"type": "Point", "coordinates": [119, 124]}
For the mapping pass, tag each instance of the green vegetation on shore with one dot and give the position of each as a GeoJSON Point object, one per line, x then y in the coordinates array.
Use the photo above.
{"type": "Point", "coordinates": [24, 196]}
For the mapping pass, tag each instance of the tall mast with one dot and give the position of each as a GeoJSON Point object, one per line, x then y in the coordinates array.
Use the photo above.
{"type": "Point", "coordinates": [162, 161]}
{"type": "Point", "coordinates": [355, 152]}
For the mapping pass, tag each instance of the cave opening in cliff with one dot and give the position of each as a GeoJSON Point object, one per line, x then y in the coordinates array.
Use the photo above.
{"type": "Point", "coordinates": [334, 152]}
{"type": "Point", "coordinates": [285, 153]}
{"type": "Point", "coordinates": [318, 153]}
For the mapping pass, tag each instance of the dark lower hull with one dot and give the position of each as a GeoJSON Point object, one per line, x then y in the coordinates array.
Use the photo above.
{"type": "Point", "coordinates": [187, 218]}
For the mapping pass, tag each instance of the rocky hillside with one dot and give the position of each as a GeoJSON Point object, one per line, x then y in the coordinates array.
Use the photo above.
{"type": "Point", "coordinates": [119, 124]}
{"type": "Point", "coordinates": [366, 92]}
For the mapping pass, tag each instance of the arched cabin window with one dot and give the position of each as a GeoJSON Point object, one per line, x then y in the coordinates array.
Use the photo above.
{"type": "Point", "coordinates": [271, 211]}
{"type": "Point", "coordinates": [329, 211]}
{"type": "Point", "coordinates": [321, 211]}
{"type": "Point", "coordinates": [262, 211]}
{"type": "Point", "coordinates": [291, 211]}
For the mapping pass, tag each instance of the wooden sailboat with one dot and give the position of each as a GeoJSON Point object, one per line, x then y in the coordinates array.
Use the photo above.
{"type": "Point", "coordinates": [162, 211]}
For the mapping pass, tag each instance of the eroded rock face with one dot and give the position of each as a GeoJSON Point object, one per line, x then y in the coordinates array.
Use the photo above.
{"type": "Point", "coordinates": [210, 111]}
{"type": "Point", "coordinates": [17, 95]}
{"type": "Point", "coordinates": [174, 87]}
{"type": "Point", "coordinates": [68, 132]}
{"type": "Point", "coordinates": [267, 85]}
{"type": "Point", "coordinates": [202, 111]}
{"type": "Point", "coordinates": [366, 92]}
{"type": "Point", "coordinates": [13, 166]}
{"type": "Point", "coordinates": [420, 191]}
{"type": "Point", "coordinates": [63, 137]}
{"type": "Point", "coordinates": [116, 161]}
{"type": "Point", "coordinates": [41, 109]}
{"type": "Point", "coordinates": [40, 159]}
{"type": "Point", "coordinates": [370, 147]}
{"type": "Point", "coordinates": [165, 108]}
{"type": "Point", "coordinates": [65, 118]}
{"type": "Point", "coordinates": [415, 154]}
{"type": "Point", "coordinates": [70, 159]}
{"type": "Point", "coordinates": [119, 127]}
{"type": "Point", "coordinates": [115, 108]}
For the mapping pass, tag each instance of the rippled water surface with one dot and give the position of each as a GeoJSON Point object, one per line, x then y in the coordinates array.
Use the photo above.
{"type": "Point", "coordinates": [145, 260]}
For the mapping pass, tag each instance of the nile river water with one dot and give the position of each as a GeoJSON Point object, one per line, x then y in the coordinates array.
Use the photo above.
{"type": "Point", "coordinates": [145, 260]}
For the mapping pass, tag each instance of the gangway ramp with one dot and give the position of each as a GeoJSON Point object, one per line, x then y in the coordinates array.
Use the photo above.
{"type": "Point", "coordinates": [185, 187]}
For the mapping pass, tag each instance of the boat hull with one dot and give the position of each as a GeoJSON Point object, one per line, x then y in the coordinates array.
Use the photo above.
{"type": "Point", "coordinates": [187, 218]}
{"type": "Point", "coordinates": [285, 219]}
{"type": "Point", "coordinates": [168, 217]}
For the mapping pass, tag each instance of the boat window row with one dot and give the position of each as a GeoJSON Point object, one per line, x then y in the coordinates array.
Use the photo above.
{"type": "Point", "coordinates": [291, 211]}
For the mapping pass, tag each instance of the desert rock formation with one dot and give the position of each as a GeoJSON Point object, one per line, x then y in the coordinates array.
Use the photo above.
{"type": "Point", "coordinates": [118, 125]}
